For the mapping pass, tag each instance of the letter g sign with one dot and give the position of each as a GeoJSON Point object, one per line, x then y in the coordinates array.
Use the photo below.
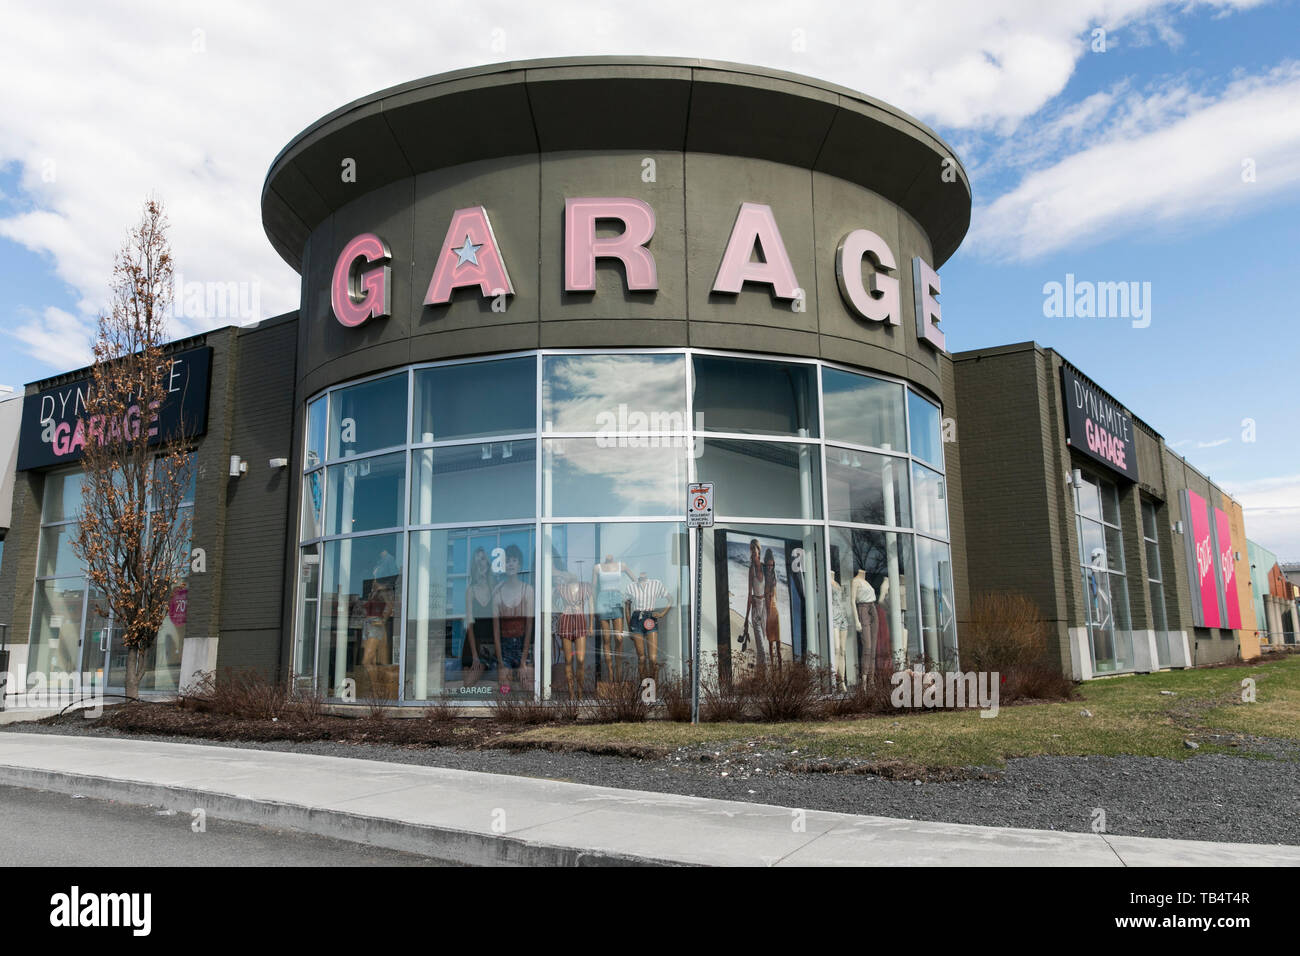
{"type": "Point", "coordinates": [359, 289]}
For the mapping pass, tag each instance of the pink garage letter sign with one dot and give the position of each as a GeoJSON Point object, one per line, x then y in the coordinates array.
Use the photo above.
{"type": "Point", "coordinates": [358, 293]}
{"type": "Point", "coordinates": [755, 224]}
{"type": "Point", "coordinates": [925, 289]}
{"type": "Point", "coordinates": [881, 302]}
{"type": "Point", "coordinates": [469, 257]}
{"type": "Point", "coordinates": [582, 247]}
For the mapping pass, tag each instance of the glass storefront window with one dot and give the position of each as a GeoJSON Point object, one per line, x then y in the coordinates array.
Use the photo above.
{"type": "Point", "coordinates": [763, 597]}
{"type": "Point", "coordinates": [938, 610]}
{"type": "Point", "coordinates": [867, 489]}
{"type": "Point", "coordinates": [313, 502]}
{"type": "Point", "coordinates": [926, 428]}
{"type": "Point", "coordinates": [475, 400]}
{"type": "Point", "coordinates": [1148, 521]}
{"type": "Point", "coordinates": [368, 417]}
{"type": "Point", "coordinates": [931, 509]}
{"type": "Point", "coordinates": [754, 397]}
{"type": "Point", "coordinates": [1155, 585]}
{"type": "Point", "coordinates": [360, 614]}
{"type": "Point", "coordinates": [56, 627]}
{"type": "Point", "coordinates": [463, 483]}
{"type": "Point", "coordinates": [1159, 622]}
{"type": "Point", "coordinates": [69, 636]}
{"type": "Point", "coordinates": [1092, 544]}
{"type": "Point", "coordinates": [1109, 503]}
{"type": "Point", "coordinates": [62, 496]}
{"type": "Point", "coordinates": [762, 479]}
{"type": "Point", "coordinates": [315, 444]}
{"type": "Point", "coordinates": [1105, 589]}
{"type": "Point", "coordinates": [607, 394]}
{"type": "Point", "coordinates": [469, 629]}
{"type": "Point", "coordinates": [365, 495]}
{"type": "Point", "coordinates": [1100, 618]}
{"type": "Point", "coordinates": [57, 556]}
{"type": "Point", "coordinates": [861, 410]}
{"type": "Point", "coordinates": [615, 604]}
{"type": "Point", "coordinates": [435, 470]}
{"type": "Point", "coordinates": [1114, 549]}
{"type": "Point", "coordinates": [304, 655]}
{"type": "Point", "coordinates": [1088, 499]}
{"type": "Point", "coordinates": [591, 477]}
{"type": "Point", "coordinates": [873, 622]}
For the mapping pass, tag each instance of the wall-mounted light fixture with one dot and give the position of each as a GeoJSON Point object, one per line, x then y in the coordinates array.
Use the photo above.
{"type": "Point", "coordinates": [1178, 527]}
{"type": "Point", "coordinates": [279, 462]}
{"type": "Point", "coordinates": [237, 466]}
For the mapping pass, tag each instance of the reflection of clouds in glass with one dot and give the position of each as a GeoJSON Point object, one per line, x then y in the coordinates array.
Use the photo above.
{"type": "Point", "coordinates": [863, 411]}
{"type": "Point", "coordinates": [580, 392]}
{"type": "Point", "coordinates": [930, 513]}
{"type": "Point", "coordinates": [655, 549]}
{"type": "Point", "coordinates": [926, 438]}
{"type": "Point", "coordinates": [586, 479]}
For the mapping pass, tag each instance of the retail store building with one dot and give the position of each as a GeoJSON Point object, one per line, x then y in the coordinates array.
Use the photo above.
{"type": "Point", "coordinates": [540, 299]}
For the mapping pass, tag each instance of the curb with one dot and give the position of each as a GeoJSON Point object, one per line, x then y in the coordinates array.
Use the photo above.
{"type": "Point", "coordinates": [442, 843]}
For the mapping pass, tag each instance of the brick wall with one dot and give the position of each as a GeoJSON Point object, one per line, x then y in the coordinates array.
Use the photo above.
{"type": "Point", "coordinates": [257, 505]}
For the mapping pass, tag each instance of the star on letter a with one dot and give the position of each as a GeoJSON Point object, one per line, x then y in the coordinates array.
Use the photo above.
{"type": "Point", "coordinates": [468, 252]}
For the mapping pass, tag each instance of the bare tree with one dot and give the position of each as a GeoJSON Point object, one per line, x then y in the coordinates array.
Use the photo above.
{"type": "Point", "coordinates": [133, 534]}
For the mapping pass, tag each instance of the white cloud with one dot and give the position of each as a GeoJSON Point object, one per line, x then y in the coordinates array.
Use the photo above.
{"type": "Point", "coordinates": [54, 332]}
{"type": "Point", "coordinates": [1272, 510]}
{"type": "Point", "coordinates": [192, 103]}
{"type": "Point", "coordinates": [1175, 158]}
{"type": "Point", "coordinates": [1213, 444]}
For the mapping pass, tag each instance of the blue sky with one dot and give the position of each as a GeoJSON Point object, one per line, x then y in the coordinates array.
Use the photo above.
{"type": "Point", "coordinates": [1122, 165]}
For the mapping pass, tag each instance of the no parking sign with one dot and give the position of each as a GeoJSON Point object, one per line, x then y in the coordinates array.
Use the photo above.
{"type": "Point", "coordinates": [699, 505]}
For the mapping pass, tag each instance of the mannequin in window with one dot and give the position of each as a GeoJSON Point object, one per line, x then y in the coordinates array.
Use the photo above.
{"type": "Point", "coordinates": [885, 662]}
{"type": "Point", "coordinates": [864, 602]}
{"type": "Point", "coordinates": [573, 601]}
{"type": "Point", "coordinates": [645, 595]}
{"type": "Point", "coordinates": [756, 603]}
{"type": "Point", "coordinates": [378, 609]}
{"type": "Point", "coordinates": [512, 624]}
{"type": "Point", "coordinates": [840, 627]}
{"type": "Point", "coordinates": [478, 614]}
{"type": "Point", "coordinates": [611, 610]}
{"type": "Point", "coordinates": [773, 618]}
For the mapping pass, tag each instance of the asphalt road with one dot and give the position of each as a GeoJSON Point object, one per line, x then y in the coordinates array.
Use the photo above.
{"type": "Point", "coordinates": [41, 828]}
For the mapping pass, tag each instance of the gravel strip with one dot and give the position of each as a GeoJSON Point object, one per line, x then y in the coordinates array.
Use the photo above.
{"type": "Point", "coordinates": [1207, 797]}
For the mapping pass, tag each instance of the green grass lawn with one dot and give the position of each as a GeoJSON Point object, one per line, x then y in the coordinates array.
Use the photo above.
{"type": "Point", "coordinates": [1129, 716]}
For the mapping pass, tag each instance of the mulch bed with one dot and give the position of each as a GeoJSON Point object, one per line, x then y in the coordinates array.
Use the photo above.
{"type": "Point", "coordinates": [166, 719]}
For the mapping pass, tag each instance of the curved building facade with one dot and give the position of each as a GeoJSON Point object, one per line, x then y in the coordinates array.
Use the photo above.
{"type": "Point", "coordinates": [538, 300]}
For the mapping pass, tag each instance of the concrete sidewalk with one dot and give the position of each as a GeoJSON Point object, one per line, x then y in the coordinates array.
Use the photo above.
{"type": "Point", "coordinates": [483, 818]}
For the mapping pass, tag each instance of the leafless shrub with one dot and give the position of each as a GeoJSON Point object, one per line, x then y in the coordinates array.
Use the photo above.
{"type": "Point", "coordinates": [618, 701]}
{"type": "Point", "coordinates": [674, 692]}
{"type": "Point", "coordinates": [1005, 632]}
{"type": "Point", "coordinates": [306, 702]}
{"type": "Point", "coordinates": [723, 697]}
{"type": "Point", "coordinates": [521, 708]}
{"type": "Point", "coordinates": [564, 710]}
{"type": "Point", "coordinates": [1040, 680]}
{"type": "Point", "coordinates": [792, 691]}
{"type": "Point", "coordinates": [442, 710]}
{"type": "Point", "coordinates": [871, 695]}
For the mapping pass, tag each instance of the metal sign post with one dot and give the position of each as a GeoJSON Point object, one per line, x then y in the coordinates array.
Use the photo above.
{"type": "Point", "coordinates": [699, 515]}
